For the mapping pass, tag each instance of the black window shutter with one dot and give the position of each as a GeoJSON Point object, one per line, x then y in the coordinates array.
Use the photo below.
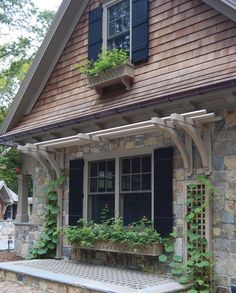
{"type": "Point", "coordinates": [76, 180]}
{"type": "Point", "coordinates": [95, 33]}
{"type": "Point", "coordinates": [140, 32]}
{"type": "Point", "coordinates": [163, 198]}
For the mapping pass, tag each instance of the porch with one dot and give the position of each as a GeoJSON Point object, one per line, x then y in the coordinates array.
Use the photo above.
{"type": "Point", "coordinates": [64, 276]}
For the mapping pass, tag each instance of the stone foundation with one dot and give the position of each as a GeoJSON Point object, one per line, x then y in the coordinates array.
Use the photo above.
{"type": "Point", "coordinates": [26, 236]}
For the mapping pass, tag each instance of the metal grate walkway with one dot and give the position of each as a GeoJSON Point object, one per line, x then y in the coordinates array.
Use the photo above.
{"type": "Point", "coordinates": [94, 276]}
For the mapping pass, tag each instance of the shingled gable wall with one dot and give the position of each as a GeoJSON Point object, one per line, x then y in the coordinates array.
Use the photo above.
{"type": "Point", "coordinates": [191, 45]}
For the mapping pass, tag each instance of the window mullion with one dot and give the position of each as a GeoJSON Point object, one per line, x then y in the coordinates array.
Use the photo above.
{"type": "Point", "coordinates": [85, 199]}
{"type": "Point", "coordinates": [117, 187]}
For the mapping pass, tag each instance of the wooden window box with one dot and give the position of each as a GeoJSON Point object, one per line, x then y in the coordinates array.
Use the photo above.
{"type": "Point", "coordinates": [154, 249]}
{"type": "Point", "coordinates": [123, 74]}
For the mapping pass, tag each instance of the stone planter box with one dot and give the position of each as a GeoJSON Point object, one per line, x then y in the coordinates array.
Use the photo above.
{"type": "Point", "coordinates": [123, 74]}
{"type": "Point", "coordinates": [154, 249]}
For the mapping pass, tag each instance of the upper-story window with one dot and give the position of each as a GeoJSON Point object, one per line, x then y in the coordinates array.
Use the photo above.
{"type": "Point", "coordinates": [119, 24]}
{"type": "Point", "coordinates": [117, 33]}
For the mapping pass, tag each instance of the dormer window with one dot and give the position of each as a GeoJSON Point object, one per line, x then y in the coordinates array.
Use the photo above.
{"type": "Point", "coordinates": [117, 25]}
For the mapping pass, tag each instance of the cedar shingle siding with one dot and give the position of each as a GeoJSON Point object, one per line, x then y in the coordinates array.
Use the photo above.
{"type": "Point", "coordinates": [190, 45]}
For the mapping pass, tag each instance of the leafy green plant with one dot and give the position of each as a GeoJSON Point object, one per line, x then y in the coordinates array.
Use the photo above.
{"type": "Point", "coordinates": [198, 266]}
{"type": "Point", "coordinates": [46, 245]}
{"type": "Point", "coordinates": [106, 60]}
{"type": "Point", "coordinates": [136, 235]}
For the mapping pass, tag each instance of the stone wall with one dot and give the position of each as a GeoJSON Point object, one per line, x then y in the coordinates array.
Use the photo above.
{"type": "Point", "coordinates": [224, 202]}
{"type": "Point", "coordinates": [27, 234]}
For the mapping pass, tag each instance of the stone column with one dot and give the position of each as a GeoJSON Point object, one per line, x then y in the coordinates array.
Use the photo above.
{"type": "Point", "coordinates": [22, 208]}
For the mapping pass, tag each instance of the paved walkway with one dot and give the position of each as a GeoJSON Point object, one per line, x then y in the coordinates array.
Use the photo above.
{"type": "Point", "coordinates": [93, 277]}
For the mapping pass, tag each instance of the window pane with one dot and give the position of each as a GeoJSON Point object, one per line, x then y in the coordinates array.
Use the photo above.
{"type": "Point", "coordinates": [102, 169]}
{"type": "Point", "coordinates": [93, 169]}
{"type": "Point", "coordinates": [126, 183]}
{"type": "Point", "coordinates": [146, 164]}
{"type": "Point", "coordinates": [112, 13]}
{"type": "Point", "coordinates": [101, 184]}
{"type": "Point", "coordinates": [118, 26]}
{"type": "Point", "coordinates": [126, 166]}
{"type": "Point", "coordinates": [126, 24]}
{"type": "Point", "coordinates": [111, 184]}
{"type": "Point", "coordinates": [136, 206]}
{"type": "Point", "coordinates": [99, 202]}
{"type": "Point", "coordinates": [136, 165]}
{"type": "Point", "coordinates": [110, 168]}
{"type": "Point", "coordinates": [93, 184]}
{"type": "Point", "coordinates": [122, 42]}
{"type": "Point", "coordinates": [135, 182]}
{"type": "Point", "coordinates": [146, 181]}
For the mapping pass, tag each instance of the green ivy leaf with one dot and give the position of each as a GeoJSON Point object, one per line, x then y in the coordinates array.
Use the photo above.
{"type": "Point", "coordinates": [42, 251]}
{"type": "Point", "coordinates": [52, 196]}
{"type": "Point", "coordinates": [184, 279]}
{"type": "Point", "coordinates": [176, 271]}
{"type": "Point", "coordinates": [163, 258]}
{"type": "Point", "coordinates": [177, 258]}
{"type": "Point", "coordinates": [192, 291]}
{"type": "Point", "coordinates": [169, 248]}
{"type": "Point", "coordinates": [193, 236]}
{"type": "Point", "coordinates": [203, 264]}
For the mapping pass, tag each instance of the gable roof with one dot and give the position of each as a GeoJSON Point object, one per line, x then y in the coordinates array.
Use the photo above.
{"type": "Point", "coordinates": [46, 58]}
{"type": "Point", "coordinates": [6, 194]}
{"type": "Point", "coordinates": [59, 33]}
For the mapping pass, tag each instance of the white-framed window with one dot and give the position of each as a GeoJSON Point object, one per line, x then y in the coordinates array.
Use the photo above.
{"type": "Point", "coordinates": [117, 25]}
{"type": "Point", "coordinates": [123, 184]}
{"type": "Point", "coordinates": [135, 188]}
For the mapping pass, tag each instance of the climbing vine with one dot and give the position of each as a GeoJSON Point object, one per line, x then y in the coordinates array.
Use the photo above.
{"type": "Point", "coordinates": [197, 269]}
{"type": "Point", "coordinates": [46, 245]}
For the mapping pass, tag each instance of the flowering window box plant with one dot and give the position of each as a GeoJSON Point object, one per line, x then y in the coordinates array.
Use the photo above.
{"type": "Point", "coordinates": [111, 236]}
{"type": "Point", "coordinates": [111, 67]}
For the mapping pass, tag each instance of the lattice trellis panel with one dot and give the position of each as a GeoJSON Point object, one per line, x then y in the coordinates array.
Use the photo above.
{"type": "Point", "coordinates": [201, 192]}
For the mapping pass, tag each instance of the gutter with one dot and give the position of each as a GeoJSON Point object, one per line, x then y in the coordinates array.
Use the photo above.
{"type": "Point", "coordinates": [160, 100]}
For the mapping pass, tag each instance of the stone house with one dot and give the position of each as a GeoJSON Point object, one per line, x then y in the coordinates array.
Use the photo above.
{"type": "Point", "coordinates": [135, 140]}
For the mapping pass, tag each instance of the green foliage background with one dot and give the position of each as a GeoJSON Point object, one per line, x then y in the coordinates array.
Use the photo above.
{"type": "Point", "coordinates": [29, 25]}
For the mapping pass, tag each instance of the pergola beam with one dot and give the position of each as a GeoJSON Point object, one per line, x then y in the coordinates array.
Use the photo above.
{"type": "Point", "coordinates": [194, 125]}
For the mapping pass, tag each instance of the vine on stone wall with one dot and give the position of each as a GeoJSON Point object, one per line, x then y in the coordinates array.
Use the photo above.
{"type": "Point", "coordinates": [197, 269]}
{"type": "Point", "coordinates": [46, 245]}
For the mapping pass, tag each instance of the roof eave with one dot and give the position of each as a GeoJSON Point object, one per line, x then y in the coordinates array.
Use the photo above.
{"type": "Point", "coordinates": [43, 64]}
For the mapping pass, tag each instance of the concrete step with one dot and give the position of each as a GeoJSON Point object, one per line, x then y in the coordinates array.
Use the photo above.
{"type": "Point", "coordinates": [62, 276]}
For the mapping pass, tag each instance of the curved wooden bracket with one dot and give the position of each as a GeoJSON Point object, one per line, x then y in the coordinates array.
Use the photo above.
{"type": "Point", "coordinates": [203, 144]}
{"type": "Point", "coordinates": [37, 157]}
{"type": "Point", "coordinates": [47, 156]}
{"type": "Point", "coordinates": [168, 127]}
